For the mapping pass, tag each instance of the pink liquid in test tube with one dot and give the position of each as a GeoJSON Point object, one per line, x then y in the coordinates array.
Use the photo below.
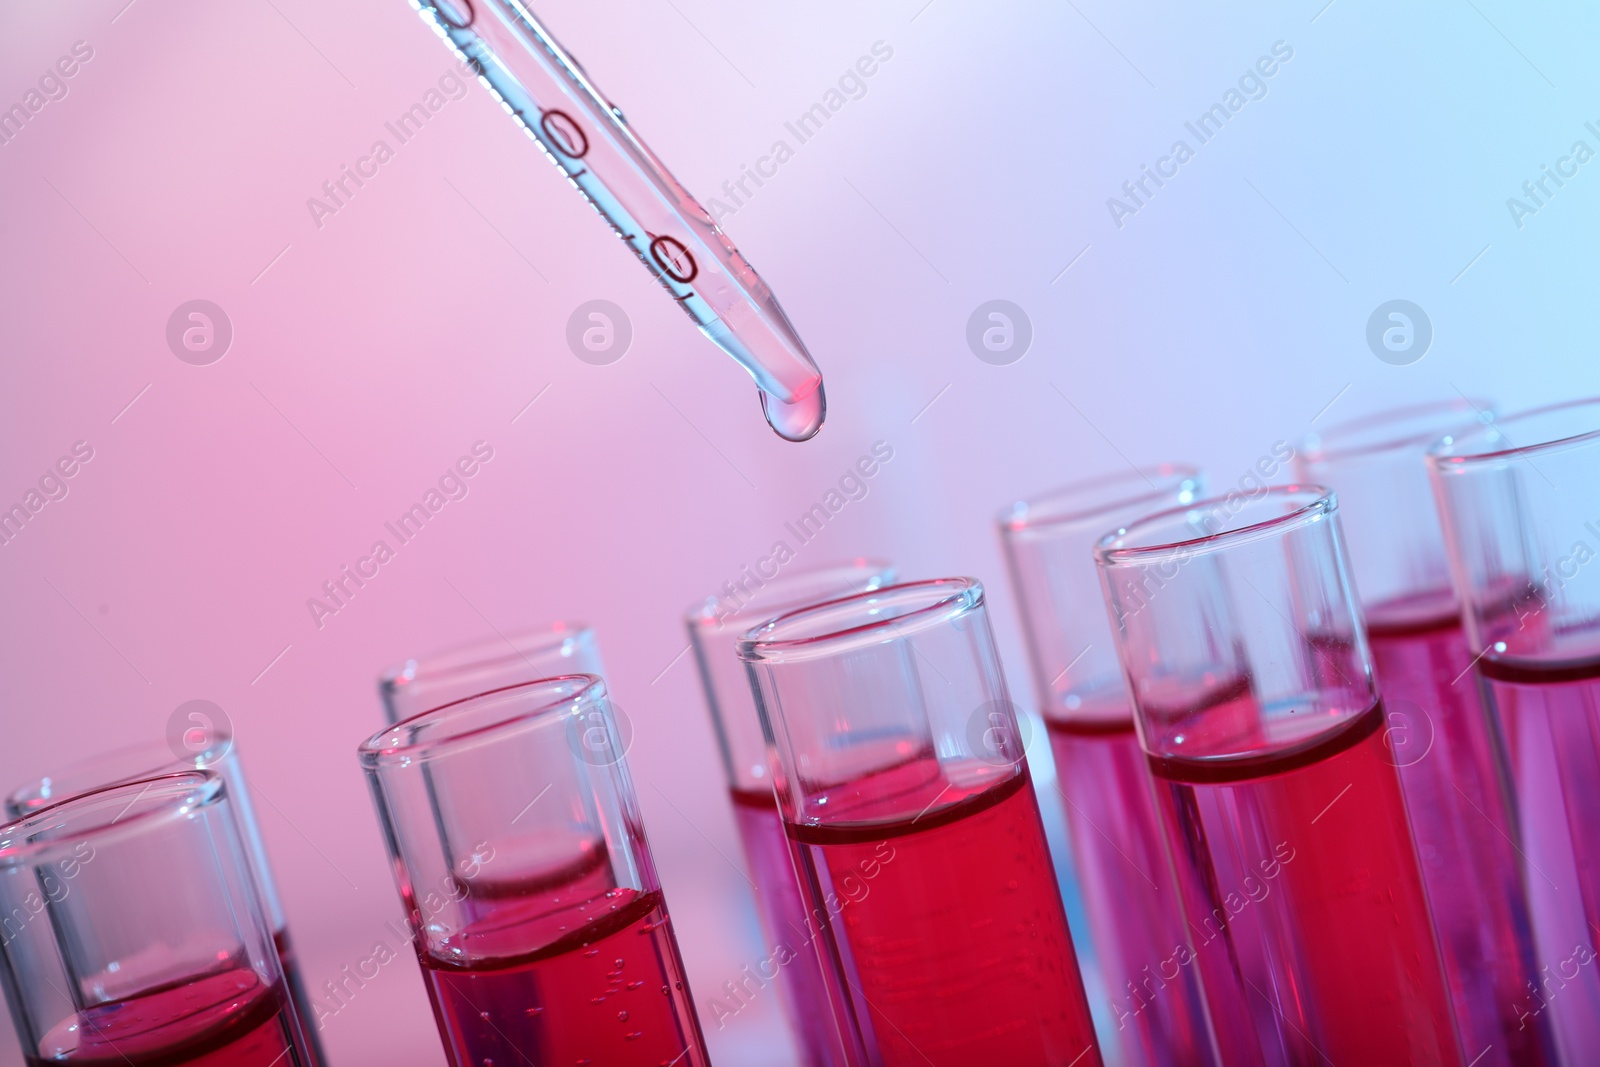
{"type": "Point", "coordinates": [223, 1020]}
{"type": "Point", "coordinates": [534, 903]}
{"type": "Point", "coordinates": [155, 926]}
{"type": "Point", "coordinates": [605, 985]}
{"type": "Point", "coordinates": [1447, 743]}
{"type": "Point", "coordinates": [714, 630]}
{"type": "Point", "coordinates": [217, 752]}
{"type": "Point", "coordinates": [1517, 500]}
{"type": "Point", "coordinates": [1546, 713]}
{"type": "Point", "coordinates": [1118, 846]}
{"type": "Point", "coordinates": [916, 834]}
{"type": "Point", "coordinates": [1470, 860]}
{"type": "Point", "coordinates": [1279, 792]}
{"type": "Point", "coordinates": [1553, 716]}
{"type": "Point", "coordinates": [1000, 984]}
{"type": "Point", "coordinates": [589, 999]}
{"type": "Point", "coordinates": [783, 921]}
{"type": "Point", "coordinates": [1352, 909]}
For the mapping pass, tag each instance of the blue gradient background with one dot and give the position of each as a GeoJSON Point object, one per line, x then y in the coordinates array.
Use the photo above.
{"type": "Point", "coordinates": [1229, 313]}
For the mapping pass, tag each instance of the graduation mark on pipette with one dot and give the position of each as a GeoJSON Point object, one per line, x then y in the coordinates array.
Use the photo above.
{"type": "Point", "coordinates": [548, 94]}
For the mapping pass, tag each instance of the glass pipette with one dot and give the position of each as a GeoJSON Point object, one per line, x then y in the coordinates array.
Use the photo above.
{"type": "Point", "coordinates": [556, 104]}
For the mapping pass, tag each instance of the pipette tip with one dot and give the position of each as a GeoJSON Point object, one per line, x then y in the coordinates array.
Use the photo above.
{"type": "Point", "coordinates": [798, 421]}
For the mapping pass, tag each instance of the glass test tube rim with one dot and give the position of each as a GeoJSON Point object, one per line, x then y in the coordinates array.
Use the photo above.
{"type": "Point", "coordinates": [182, 791]}
{"type": "Point", "coordinates": [715, 633]}
{"type": "Point", "coordinates": [1490, 445]}
{"type": "Point", "coordinates": [1139, 543]}
{"type": "Point", "coordinates": [937, 601]}
{"type": "Point", "coordinates": [34, 795]}
{"type": "Point", "coordinates": [467, 656]}
{"type": "Point", "coordinates": [789, 592]}
{"type": "Point", "coordinates": [519, 711]}
{"type": "Point", "coordinates": [1070, 507]}
{"type": "Point", "coordinates": [1407, 427]}
{"type": "Point", "coordinates": [1389, 444]}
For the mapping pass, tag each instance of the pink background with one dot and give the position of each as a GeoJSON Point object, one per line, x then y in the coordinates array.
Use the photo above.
{"type": "Point", "coordinates": [371, 352]}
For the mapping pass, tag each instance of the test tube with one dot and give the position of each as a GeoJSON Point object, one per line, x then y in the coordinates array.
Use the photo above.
{"type": "Point", "coordinates": [552, 99]}
{"type": "Point", "coordinates": [134, 933]}
{"type": "Point", "coordinates": [211, 748]}
{"type": "Point", "coordinates": [1520, 503]}
{"type": "Point", "coordinates": [915, 832]}
{"type": "Point", "coordinates": [714, 631]}
{"type": "Point", "coordinates": [539, 922]}
{"type": "Point", "coordinates": [1118, 846]}
{"type": "Point", "coordinates": [1257, 710]}
{"type": "Point", "coordinates": [1447, 745]}
{"type": "Point", "coordinates": [467, 670]}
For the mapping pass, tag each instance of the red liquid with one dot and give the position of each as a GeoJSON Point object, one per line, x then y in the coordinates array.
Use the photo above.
{"type": "Point", "coordinates": [783, 919]}
{"type": "Point", "coordinates": [1136, 919]}
{"type": "Point", "coordinates": [1302, 889]}
{"type": "Point", "coordinates": [948, 943]}
{"type": "Point", "coordinates": [1453, 774]}
{"type": "Point", "coordinates": [223, 1020]}
{"type": "Point", "coordinates": [1551, 715]}
{"type": "Point", "coordinates": [605, 988]}
{"type": "Point", "coordinates": [302, 1003]}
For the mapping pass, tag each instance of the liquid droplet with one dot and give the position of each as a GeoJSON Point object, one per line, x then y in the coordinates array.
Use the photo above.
{"type": "Point", "coordinates": [799, 421]}
{"type": "Point", "coordinates": [622, 1016]}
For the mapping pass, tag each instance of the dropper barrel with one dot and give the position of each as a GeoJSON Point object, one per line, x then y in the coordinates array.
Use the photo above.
{"type": "Point", "coordinates": [550, 96]}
